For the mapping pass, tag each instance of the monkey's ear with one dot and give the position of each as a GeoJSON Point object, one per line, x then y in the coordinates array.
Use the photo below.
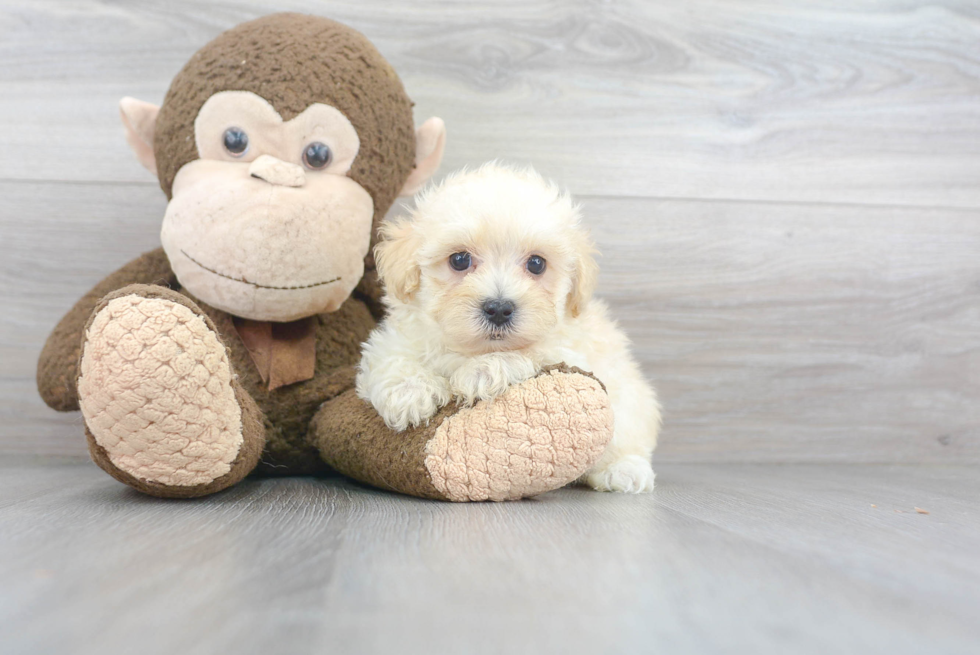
{"type": "Point", "coordinates": [140, 120]}
{"type": "Point", "coordinates": [394, 256]}
{"type": "Point", "coordinates": [430, 142]}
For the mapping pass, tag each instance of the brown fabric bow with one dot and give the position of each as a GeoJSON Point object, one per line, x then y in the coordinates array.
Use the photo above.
{"type": "Point", "coordinates": [284, 353]}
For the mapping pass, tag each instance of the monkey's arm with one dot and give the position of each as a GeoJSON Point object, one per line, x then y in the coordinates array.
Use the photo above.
{"type": "Point", "coordinates": [539, 435]}
{"type": "Point", "coordinates": [57, 367]}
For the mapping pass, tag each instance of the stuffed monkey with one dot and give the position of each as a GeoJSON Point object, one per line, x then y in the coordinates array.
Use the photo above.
{"type": "Point", "coordinates": [230, 350]}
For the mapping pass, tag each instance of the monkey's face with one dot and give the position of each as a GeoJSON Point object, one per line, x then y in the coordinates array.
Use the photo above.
{"type": "Point", "coordinates": [271, 219]}
{"type": "Point", "coordinates": [266, 224]}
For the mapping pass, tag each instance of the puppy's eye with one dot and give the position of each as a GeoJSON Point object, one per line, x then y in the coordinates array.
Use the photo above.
{"type": "Point", "coordinates": [235, 141]}
{"type": "Point", "coordinates": [536, 264]}
{"type": "Point", "coordinates": [460, 261]}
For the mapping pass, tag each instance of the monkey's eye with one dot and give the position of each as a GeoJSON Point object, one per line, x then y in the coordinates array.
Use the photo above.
{"type": "Point", "coordinates": [460, 261]}
{"type": "Point", "coordinates": [236, 141]}
{"type": "Point", "coordinates": [536, 264]}
{"type": "Point", "coordinates": [317, 155]}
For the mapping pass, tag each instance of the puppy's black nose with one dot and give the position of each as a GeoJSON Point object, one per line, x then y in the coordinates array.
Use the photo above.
{"type": "Point", "coordinates": [498, 312]}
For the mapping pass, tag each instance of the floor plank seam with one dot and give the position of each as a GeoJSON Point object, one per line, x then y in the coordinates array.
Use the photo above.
{"type": "Point", "coordinates": [594, 196]}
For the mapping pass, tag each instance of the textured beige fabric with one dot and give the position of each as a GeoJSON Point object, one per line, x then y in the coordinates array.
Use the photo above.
{"type": "Point", "coordinates": [549, 429]}
{"type": "Point", "coordinates": [275, 171]}
{"type": "Point", "coordinates": [155, 391]}
{"type": "Point", "coordinates": [263, 251]}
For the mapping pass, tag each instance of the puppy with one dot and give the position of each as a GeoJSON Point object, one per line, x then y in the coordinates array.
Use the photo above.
{"type": "Point", "coordinates": [488, 280]}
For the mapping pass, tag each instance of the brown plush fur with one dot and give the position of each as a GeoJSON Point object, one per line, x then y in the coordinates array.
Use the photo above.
{"type": "Point", "coordinates": [356, 442]}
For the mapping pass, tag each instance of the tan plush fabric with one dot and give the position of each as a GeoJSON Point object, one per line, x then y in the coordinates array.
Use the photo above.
{"type": "Point", "coordinates": [534, 438]}
{"type": "Point", "coordinates": [266, 252]}
{"type": "Point", "coordinates": [155, 390]}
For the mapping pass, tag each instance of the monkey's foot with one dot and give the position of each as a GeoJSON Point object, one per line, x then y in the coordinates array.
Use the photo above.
{"type": "Point", "coordinates": [160, 401]}
{"type": "Point", "coordinates": [539, 435]}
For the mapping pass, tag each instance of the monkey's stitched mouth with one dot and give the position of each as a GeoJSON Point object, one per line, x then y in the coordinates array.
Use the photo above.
{"type": "Point", "coordinates": [256, 284]}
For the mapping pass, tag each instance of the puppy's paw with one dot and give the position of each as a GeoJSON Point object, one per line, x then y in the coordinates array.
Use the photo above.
{"type": "Point", "coordinates": [487, 376]}
{"type": "Point", "coordinates": [411, 402]}
{"type": "Point", "coordinates": [630, 475]}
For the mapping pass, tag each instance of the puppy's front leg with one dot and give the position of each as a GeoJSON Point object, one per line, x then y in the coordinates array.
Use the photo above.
{"type": "Point", "coordinates": [487, 376]}
{"type": "Point", "coordinates": [403, 390]}
{"type": "Point", "coordinates": [404, 393]}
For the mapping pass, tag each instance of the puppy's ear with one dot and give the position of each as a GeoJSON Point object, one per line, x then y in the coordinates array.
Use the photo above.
{"type": "Point", "coordinates": [395, 256]}
{"type": "Point", "coordinates": [584, 276]}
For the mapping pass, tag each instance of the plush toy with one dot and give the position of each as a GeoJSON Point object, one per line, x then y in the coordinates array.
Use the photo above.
{"type": "Point", "coordinates": [280, 146]}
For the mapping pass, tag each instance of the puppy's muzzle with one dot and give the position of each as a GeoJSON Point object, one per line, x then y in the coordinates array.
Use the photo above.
{"type": "Point", "coordinates": [498, 312]}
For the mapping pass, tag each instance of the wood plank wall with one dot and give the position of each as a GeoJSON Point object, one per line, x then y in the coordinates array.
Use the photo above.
{"type": "Point", "coordinates": [787, 194]}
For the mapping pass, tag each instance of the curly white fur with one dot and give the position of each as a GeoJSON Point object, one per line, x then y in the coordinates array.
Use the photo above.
{"type": "Point", "coordinates": [436, 343]}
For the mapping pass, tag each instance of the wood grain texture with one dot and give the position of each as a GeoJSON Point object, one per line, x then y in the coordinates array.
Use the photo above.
{"type": "Point", "coordinates": [783, 332]}
{"type": "Point", "coordinates": [866, 101]}
{"type": "Point", "coordinates": [786, 196]}
{"type": "Point", "coordinates": [723, 558]}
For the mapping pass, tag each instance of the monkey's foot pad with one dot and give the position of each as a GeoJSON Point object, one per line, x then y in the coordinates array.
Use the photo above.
{"type": "Point", "coordinates": [537, 436]}
{"type": "Point", "coordinates": [155, 388]}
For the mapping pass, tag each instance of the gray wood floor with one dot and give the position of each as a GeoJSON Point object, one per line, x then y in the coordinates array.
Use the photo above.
{"type": "Point", "coordinates": [787, 198]}
{"type": "Point", "coordinates": [723, 558]}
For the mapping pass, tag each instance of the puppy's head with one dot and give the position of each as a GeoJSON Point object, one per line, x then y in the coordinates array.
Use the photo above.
{"type": "Point", "coordinates": [496, 256]}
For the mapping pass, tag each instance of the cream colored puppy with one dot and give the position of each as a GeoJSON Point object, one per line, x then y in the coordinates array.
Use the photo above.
{"type": "Point", "coordinates": [488, 280]}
